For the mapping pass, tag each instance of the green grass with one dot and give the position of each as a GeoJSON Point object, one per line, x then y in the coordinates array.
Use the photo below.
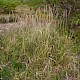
{"type": "Point", "coordinates": [38, 53]}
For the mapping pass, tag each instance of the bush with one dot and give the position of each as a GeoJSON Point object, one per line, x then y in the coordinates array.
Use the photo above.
{"type": "Point", "coordinates": [9, 5]}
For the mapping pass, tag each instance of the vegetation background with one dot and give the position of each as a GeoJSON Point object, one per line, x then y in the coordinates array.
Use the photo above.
{"type": "Point", "coordinates": [31, 50]}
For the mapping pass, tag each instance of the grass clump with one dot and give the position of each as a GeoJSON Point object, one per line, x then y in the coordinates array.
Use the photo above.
{"type": "Point", "coordinates": [38, 53]}
{"type": "Point", "coordinates": [9, 18]}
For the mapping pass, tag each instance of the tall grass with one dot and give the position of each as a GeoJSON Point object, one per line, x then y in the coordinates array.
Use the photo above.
{"type": "Point", "coordinates": [38, 53]}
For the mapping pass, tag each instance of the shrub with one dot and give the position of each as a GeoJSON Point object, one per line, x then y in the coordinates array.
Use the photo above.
{"type": "Point", "coordinates": [9, 5]}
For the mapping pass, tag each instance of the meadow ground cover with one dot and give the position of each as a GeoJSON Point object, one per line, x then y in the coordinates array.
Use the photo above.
{"type": "Point", "coordinates": [39, 53]}
{"type": "Point", "coordinates": [39, 46]}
